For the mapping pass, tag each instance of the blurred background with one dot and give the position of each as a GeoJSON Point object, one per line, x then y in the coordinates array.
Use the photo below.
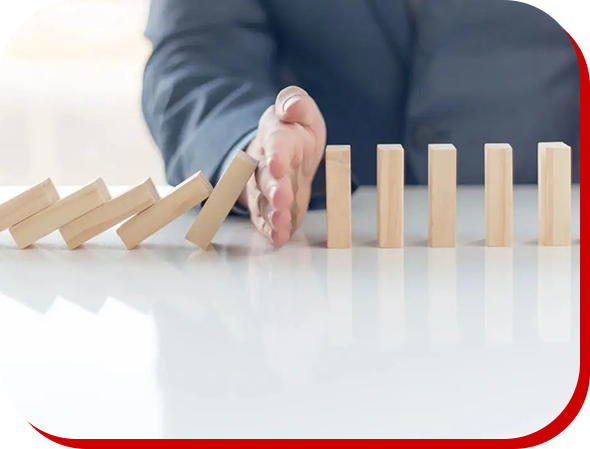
{"type": "Point", "coordinates": [70, 92]}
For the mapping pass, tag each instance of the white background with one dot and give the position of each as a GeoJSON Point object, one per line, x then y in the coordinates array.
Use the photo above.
{"type": "Point", "coordinates": [70, 89]}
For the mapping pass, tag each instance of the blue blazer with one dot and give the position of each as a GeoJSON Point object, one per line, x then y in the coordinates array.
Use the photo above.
{"type": "Point", "coordinates": [414, 72]}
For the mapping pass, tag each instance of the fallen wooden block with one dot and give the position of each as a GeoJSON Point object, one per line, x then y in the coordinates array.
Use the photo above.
{"type": "Point", "coordinates": [390, 196]}
{"type": "Point", "coordinates": [60, 213]}
{"type": "Point", "coordinates": [110, 214]}
{"type": "Point", "coordinates": [499, 195]}
{"type": "Point", "coordinates": [27, 204]}
{"type": "Point", "coordinates": [221, 201]}
{"type": "Point", "coordinates": [338, 197]}
{"type": "Point", "coordinates": [442, 196]}
{"type": "Point", "coordinates": [182, 199]}
{"type": "Point", "coordinates": [555, 190]}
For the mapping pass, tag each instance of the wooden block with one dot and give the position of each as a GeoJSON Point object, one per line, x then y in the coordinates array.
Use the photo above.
{"type": "Point", "coordinates": [60, 213]}
{"type": "Point", "coordinates": [110, 214]}
{"type": "Point", "coordinates": [390, 196]}
{"type": "Point", "coordinates": [338, 197]}
{"type": "Point", "coordinates": [221, 201]}
{"type": "Point", "coordinates": [541, 192]}
{"type": "Point", "coordinates": [182, 199]}
{"type": "Point", "coordinates": [555, 181]}
{"type": "Point", "coordinates": [499, 195]}
{"type": "Point", "coordinates": [27, 204]}
{"type": "Point", "coordinates": [442, 196]}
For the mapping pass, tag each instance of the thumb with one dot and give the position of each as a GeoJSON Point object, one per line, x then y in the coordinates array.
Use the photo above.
{"type": "Point", "coordinates": [294, 105]}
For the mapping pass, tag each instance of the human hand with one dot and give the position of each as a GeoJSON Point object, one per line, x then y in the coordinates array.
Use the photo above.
{"type": "Point", "coordinates": [289, 144]}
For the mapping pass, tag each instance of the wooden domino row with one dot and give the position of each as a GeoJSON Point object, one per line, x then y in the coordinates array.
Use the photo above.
{"type": "Point", "coordinates": [91, 211]}
{"type": "Point", "coordinates": [554, 195]}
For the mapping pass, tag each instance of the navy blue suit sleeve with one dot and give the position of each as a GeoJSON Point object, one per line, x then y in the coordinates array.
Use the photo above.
{"type": "Point", "coordinates": [207, 81]}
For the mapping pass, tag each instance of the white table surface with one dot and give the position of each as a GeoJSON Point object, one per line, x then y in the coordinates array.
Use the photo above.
{"type": "Point", "coordinates": [247, 341]}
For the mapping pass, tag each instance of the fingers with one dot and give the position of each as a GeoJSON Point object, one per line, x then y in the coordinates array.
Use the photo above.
{"type": "Point", "coordinates": [294, 105]}
{"type": "Point", "coordinates": [278, 191]}
{"type": "Point", "coordinates": [280, 237]}
{"type": "Point", "coordinates": [274, 225]}
{"type": "Point", "coordinates": [285, 148]}
{"type": "Point", "coordinates": [276, 144]}
{"type": "Point", "coordinates": [281, 150]}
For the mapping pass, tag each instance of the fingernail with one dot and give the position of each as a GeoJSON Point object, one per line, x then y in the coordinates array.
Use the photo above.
{"type": "Point", "coordinates": [291, 101]}
{"type": "Point", "coordinates": [272, 192]}
{"type": "Point", "coordinates": [270, 217]}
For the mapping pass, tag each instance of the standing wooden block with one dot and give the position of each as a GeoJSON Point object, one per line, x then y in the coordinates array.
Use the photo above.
{"type": "Point", "coordinates": [110, 214]}
{"type": "Point", "coordinates": [222, 199]}
{"type": "Point", "coordinates": [338, 197]}
{"type": "Point", "coordinates": [442, 196]}
{"type": "Point", "coordinates": [60, 213]}
{"type": "Point", "coordinates": [555, 190]}
{"type": "Point", "coordinates": [390, 196]}
{"type": "Point", "coordinates": [499, 195]}
{"type": "Point", "coordinates": [182, 199]}
{"type": "Point", "coordinates": [28, 203]}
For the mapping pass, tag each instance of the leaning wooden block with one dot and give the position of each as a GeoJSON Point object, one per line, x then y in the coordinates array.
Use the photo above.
{"type": "Point", "coordinates": [499, 195]}
{"type": "Point", "coordinates": [60, 213]}
{"type": "Point", "coordinates": [555, 181]}
{"type": "Point", "coordinates": [110, 214]}
{"type": "Point", "coordinates": [27, 204]}
{"type": "Point", "coordinates": [390, 196]}
{"type": "Point", "coordinates": [338, 197]}
{"type": "Point", "coordinates": [221, 201]}
{"type": "Point", "coordinates": [182, 199]}
{"type": "Point", "coordinates": [442, 196]}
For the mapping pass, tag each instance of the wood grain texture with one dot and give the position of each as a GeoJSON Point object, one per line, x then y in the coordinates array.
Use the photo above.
{"type": "Point", "coordinates": [442, 196]}
{"type": "Point", "coordinates": [338, 197]}
{"type": "Point", "coordinates": [182, 199]}
{"type": "Point", "coordinates": [222, 200]}
{"type": "Point", "coordinates": [390, 196]}
{"type": "Point", "coordinates": [27, 204]}
{"type": "Point", "coordinates": [110, 214]}
{"type": "Point", "coordinates": [555, 184]}
{"type": "Point", "coordinates": [60, 213]}
{"type": "Point", "coordinates": [499, 195]}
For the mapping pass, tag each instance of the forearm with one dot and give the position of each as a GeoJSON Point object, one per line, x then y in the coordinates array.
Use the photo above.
{"type": "Point", "coordinates": [207, 82]}
{"type": "Point", "coordinates": [195, 133]}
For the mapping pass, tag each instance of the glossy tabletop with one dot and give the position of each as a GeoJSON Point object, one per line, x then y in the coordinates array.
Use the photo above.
{"type": "Point", "coordinates": [247, 341]}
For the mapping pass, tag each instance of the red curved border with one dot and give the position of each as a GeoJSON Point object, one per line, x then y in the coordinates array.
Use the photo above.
{"type": "Point", "coordinates": [570, 419]}
{"type": "Point", "coordinates": [576, 403]}
{"type": "Point", "coordinates": [542, 436]}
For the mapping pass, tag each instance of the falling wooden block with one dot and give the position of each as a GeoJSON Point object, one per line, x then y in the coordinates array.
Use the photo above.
{"type": "Point", "coordinates": [27, 204]}
{"type": "Point", "coordinates": [182, 199]}
{"type": "Point", "coordinates": [499, 195]}
{"type": "Point", "coordinates": [110, 214]}
{"type": "Point", "coordinates": [442, 196]}
{"type": "Point", "coordinates": [338, 197]}
{"type": "Point", "coordinates": [60, 213]}
{"type": "Point", "coordinates": [390, 196]}
{"type": "Point", "coordinates": [555, 190]}
{"type": "Point", "coordinates": [221, 201]}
